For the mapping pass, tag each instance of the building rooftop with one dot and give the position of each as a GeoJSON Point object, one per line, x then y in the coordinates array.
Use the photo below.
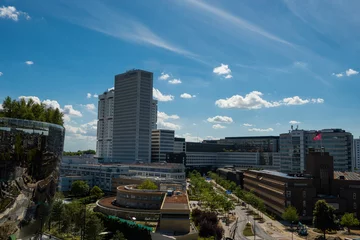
{"type": "Point", "coordinates": [177, 201]}
{"type": "Point", "coordinates": [254, 137]}
{"type": "Point", "coordinates": [280, 174]}
{"type": "Point", "coordinates": [347, 175]}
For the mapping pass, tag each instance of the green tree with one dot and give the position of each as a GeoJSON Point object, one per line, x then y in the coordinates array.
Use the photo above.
{"type": "Point", "coordinates": [148, 184]}
{"type": "Point", "coordinates": [324, 218]}
{"type": "Point", "coordinates": [96, 191]}
{"type": "Point", "coordinates": [94, 226]}
{"type": "Point", "coordinates": [290, 215]}
{"type": "Point", "coordinates": [119, 236]}
{"type": "Point", "coordinates": [349, 220]}
{"type": "Point", "coordinates": [57, 212]}
{"type": "Point", "coordinates": [79, 188]}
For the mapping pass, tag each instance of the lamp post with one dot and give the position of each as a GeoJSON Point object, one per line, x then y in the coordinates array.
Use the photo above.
{"type": "Point", "coordinates": [254, 230]}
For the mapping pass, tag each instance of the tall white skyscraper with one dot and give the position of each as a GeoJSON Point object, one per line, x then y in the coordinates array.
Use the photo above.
{"type": "Point", "coordinates": [154, 109]}
{"type": "Point", "coordinates": [357, 154]}
{"type": "Point", "coordinates": [132, 116]}
{"type": "Point", "coordinates": [105, 124]}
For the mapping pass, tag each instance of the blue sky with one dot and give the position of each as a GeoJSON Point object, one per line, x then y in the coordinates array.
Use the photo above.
{"type": "Point", "coordinates": [221, 68]}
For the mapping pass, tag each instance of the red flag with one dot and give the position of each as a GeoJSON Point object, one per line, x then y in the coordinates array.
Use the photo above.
{"type": "Point", "coordinates": [317, 136]}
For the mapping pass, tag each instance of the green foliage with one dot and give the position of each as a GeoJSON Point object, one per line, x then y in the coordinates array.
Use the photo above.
{"type": "Point", "coordinates": [88, 199]}
{"type": "Point", "coordinates": [148, 185]}
{"type": "Point", "coordinates": [80, 188]}
{"type": "Point", "coordinates": [119, 236]}
{"type": "Point", "coordinates": [290, 214]}
{"type": "Point", "coordinates": [324, 217]}
{"type": "Point", "coordinates": [349, 220]}
{"type": "Point", "coordinates": [208, 224]}
{"type": "Point", "coordinates": [30, 110]}
{"type": "Point", "coordinates": [94, 226]}
{"type": "Point", "coordinates": [96, 191]}
{"type": "Point", "coordinates": [79, 153]}
{"type": "Point", "coordinates": [248, 230]}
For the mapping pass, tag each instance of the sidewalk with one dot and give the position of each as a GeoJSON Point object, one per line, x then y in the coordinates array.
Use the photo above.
{"type": "Point", "coordinates": [272, 227]}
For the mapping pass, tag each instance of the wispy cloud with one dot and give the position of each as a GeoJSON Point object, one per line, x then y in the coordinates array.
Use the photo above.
{"type": "Point", "coordinates": [187, 95]}
{"type": "Point", "coordinates": [223, 69]}
{"type": "Point", "coordinates": [29, 62]}
{"type": "Point", "coordinates": [350, 72]}
{"type": "Point", "coordinates": [102, 18]}
{"type": "Point", "coordinates": [10, 12]}
{"type": "Point", "coordinates": [162, 97]}
{"type": "Point", "coordinates": [260, 129]}
{"type": "Point", "coordinates": [174, 81]}
{"type": "Point", "coordinates": [236, 21]}
{"type": "Point", "coordinates": [294, 122]}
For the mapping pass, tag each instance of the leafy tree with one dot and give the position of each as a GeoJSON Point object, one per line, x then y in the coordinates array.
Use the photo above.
{"type": "Point", "coordinates": [57, 212]}
{"type": "Point", "coordinates": [79, 153]}
{"type": "Point", "coordinates": [324, 218]}
{"type": "Point", "coordinates": [30, 110]}
{"type": "Point", "coordinates": [349, 220]}
{"type": "Point", "coordinates": [148, 184]}
{"type": "Point", "coordinates": [290, 214]}
{"type": "Point", "coordinates": [79, 188]}
{"type": "Point", "coordinates": [119, 236]}
{"type": "Point", "coordinates": [96, 191]}
{"type": "Point", "coordinates": [94, 226]}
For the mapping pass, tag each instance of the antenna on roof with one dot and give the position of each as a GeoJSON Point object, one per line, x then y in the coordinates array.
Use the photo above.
{"type": "Point", "coordinates": [292, 127]}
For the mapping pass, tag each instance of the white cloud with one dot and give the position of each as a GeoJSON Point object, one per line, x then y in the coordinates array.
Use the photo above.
{"type": "Point", "coordinates": [220, 119]}
{"type": "Point", "coordinates": [218, 126]}
{"type": "Point", "coordinates": [186, 95]}
{"type": "Point", "coordinates": [1, 107]}
{"type": "Point", "coordinates": [160, 97]}
{"type": "Point", "coordinates": [300, 64]}
{"type": "Point", "coordinates": [34, 98]}
{"type": "Point", "coordinates": [69, 110]}
{"type": "Point", "coordinates": [164, 76]}
{"type": "Point", "coordinates": [254, 100]}
{"type": "Point", "coordinates": [247, 125]}
{"type": "Point", "coordinates": [52, 104]}
{"type": "Point", "coordinates": [88, 95]}
{"type": "Point", "coordinates": [29, 62]}
{"type": "Point", "coordinates": [294, 122]}
{"type": "Point", "coordinates": [90, 107]}
{"type": "Point", "coordinates": [339, 75]}
{"type": "Point", "coordinates": [83, 131]}
{"type": "Point", "coordinates": [110, 89]}
{"type": "Point", "coordinates": [190, 138]}
{"type": "Point", "coordinates": [175, 81]}
{"type": "Point", "coordinates": [350, 72]}
{"type": "Point", "coordinates": [162, 122]}
{"type": "Point", "coordinates": [95, 95]}
{"type": "Point", "coordinates": [164, 116]}
{"type": "Point", "coordinates": [1, 74]}
{"type": "Point", "coordinates": [10, 12]}
{"type": "Point", "coordinates": [223, 69]}
{"type": "Point", "coordinates": [278, 124]}
{"type": "Point", "coordinates": [210, 138]}
{"type": "Point", "coordinates": [260, 129]}
{"type": "Point", "coordinates": [74, 130]}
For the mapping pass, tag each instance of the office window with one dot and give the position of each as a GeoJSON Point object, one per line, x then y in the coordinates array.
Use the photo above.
{"type": "Point", "coordinates": [354, 196]}
{"type": "Point", "coordinates": [304, 194]}
{"type": "Point", "coordinates": [304, 203]}
{"type": "Point", "coordinates": [355, 206]}
{"type": "Point", "coordinates": [288, 193]}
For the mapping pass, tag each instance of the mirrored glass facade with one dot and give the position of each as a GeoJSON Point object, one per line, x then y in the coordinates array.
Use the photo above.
{"type": "Point", "coordinates": [30, 155]}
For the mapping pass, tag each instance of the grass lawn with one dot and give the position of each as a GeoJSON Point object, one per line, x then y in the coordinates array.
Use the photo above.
{"type": "Point", "coordinates": [248, 231]}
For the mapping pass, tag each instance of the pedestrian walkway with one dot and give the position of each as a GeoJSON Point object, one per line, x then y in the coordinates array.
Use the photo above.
{"type": "Point", "coordinates": [272, 227]}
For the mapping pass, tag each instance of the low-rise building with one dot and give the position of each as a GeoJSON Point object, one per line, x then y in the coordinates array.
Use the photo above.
{"type": "Point", "coordinates": [162, 143]}
{"type": "Point", "coordinates": [280, 190]}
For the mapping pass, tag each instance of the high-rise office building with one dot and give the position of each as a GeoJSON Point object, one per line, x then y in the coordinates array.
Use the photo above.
{"type": "Point", "coordinates": [357, 154]}
{"type": "Point", "coordinates": [132, 116]}
{"type": "Point", "coordinates": [154, 109]}
{"type": "Point", "coordinates": [105, 124]}
{"type": "Point", "coordinates": [295, 145]}
{"type": "Point", "coordinates": [162, 142]}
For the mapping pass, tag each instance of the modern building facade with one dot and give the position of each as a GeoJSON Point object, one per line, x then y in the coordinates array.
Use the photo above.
{"type": "Point", "coordinates": [357, 154]}
{"type": "Point", "coordinates": [253, 144]}
{"type": "Point", "coordinates": [105, 125]}
{"type": "Point", "coordinates": [30, 154]}
{"type": "Point", "coordinates": [162, 142]}
{"type": "Point", "coordinates": [179, 145]}
{"type": "Point", "coordinates": [296, 144]}
{"type": "Point", "coordinates": [154, 109]}
{"type": "Point", "coordinates": [302, 190]}
{"type": "Point", "coordinates": [132, 116]}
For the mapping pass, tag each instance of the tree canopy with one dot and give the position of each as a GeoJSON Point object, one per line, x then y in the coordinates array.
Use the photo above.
{"type": "Point", "coordinates": [30, 110]}
{"type": "Point", "coordinates": [96, 191]}
{"type": "Point", "coordinates": [79, 153]}
{"type": "Point", "coordinates": [349, 220]}
{"type": "Point", "coordinates": [79, 188]}
{"type": "Point", "coordinates": [290, 214]}
{"type": "Point", "coordinates": [148, 184]}
{"type": "Point", "coordinates": [324, 217]}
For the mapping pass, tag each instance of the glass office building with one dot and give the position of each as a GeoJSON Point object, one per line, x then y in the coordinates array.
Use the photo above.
{"type": "Point", "coordinates": [30, 154]}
